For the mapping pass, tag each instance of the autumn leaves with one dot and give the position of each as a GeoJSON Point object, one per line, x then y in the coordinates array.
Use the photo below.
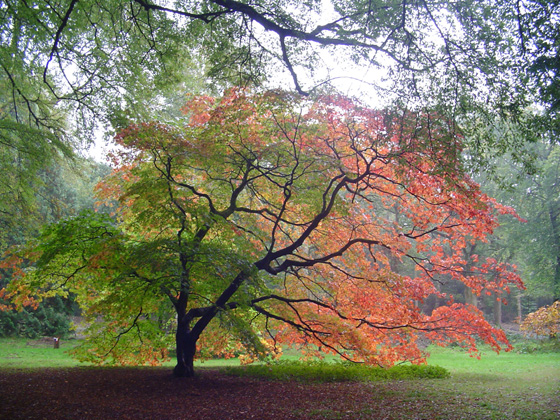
{"type": "Point", "coordinates": [277, 218]}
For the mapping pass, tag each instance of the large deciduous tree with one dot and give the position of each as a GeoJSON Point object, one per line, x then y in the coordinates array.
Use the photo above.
{"type": "Point", "coordinates": [103, 56]}
{"type": "Point", "coordinates": [270, 218]}
{"type": "Point", "coordinates": [462, 41]}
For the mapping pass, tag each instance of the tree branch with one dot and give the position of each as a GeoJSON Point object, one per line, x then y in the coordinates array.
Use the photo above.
{"type": "Point", "coordinates": [57, 36]}
{"type": "Point", "coordinates": [205, 17]}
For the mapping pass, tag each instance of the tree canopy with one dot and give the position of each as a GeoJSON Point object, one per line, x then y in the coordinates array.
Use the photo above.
{"type": "Point", "coordinates": [102, 55]}
{"type": "Point", "coordinates": [68, 67]}
{"type": "Point", "coordinates": [272, 218]}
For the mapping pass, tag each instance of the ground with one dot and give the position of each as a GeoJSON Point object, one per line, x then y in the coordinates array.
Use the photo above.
{"type": "Point", "coordinates": [92, 393]}
{"type": "Point", "coordinates": [87, 393]}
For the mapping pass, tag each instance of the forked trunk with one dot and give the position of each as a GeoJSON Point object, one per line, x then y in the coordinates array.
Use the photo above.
{"type": "Point", "coordinates": [186, 337]}
{"type": "Point", "coordinates": [186, 350]}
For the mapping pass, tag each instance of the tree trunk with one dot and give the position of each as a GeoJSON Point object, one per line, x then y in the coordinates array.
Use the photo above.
{"type": "Point", "coordinates": [186, 350]}
{"type": "Point", "coordinates": [185, 337]}
{"type": "Point", "coordinates": [470, 297]}
{"type": "Point", "coordinates": [497, 312]}
{"type": "Point", "coordinates": [519, 310]}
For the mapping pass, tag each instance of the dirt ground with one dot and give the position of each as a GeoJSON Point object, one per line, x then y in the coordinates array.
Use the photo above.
{"type": "Point", "coordinates": [87, 393]}
{"type": "Point", "coordinates": [153, 393]}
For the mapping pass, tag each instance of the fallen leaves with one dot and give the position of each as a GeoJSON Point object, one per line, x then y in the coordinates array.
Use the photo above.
{"type": "Point", "coordinates": [153, 393]}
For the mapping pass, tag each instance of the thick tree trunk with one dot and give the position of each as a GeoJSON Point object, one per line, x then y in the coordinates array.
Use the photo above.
{"type": "Point", "coordinates": [186, 350]}
{"type": "Point", "coordinates": [186, 337]}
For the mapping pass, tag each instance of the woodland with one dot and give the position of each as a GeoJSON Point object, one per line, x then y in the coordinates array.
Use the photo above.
{"type": "Point", "coordinates": [350, 178]}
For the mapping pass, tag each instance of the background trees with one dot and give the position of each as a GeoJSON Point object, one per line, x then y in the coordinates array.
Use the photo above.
{"type": "Point", "coordinates": [532, 245]}
{"type": "Point", "coordinates": [69, 67]}
{"type": "Point", "coordinates": [60, 192]}
{"type": "Point", "coordinates": [102, 59]}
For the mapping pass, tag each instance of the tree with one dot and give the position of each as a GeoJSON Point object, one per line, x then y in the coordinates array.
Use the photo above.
{"type": "Point", "coordinates": [24, 154]}
{"type": "Point", "coordinates": [67, 69]}
{"type": "Point", "coordinates": [270, 218]}
{"type": "Point", "coordinates": [60, 188]}
{"type": "Point", "coordinates": [104, 58]}
{"type": "Point", "coordinates": [540, 40]}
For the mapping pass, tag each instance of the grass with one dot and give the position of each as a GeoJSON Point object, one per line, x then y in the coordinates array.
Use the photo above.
{"type": "Point", "coordinates": [508, 385]}
{"type": "Point", "coordinates": [513, 385]}
{"type": "Point", "coordinates": [25, 353]}
{"type": "Point", "coordinates": [28, 353]}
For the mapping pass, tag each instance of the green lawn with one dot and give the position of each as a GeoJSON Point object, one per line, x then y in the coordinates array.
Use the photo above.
{"type": "Point", "coordinates": [504, 386]}
{"type": "Point", "coordinates": [29, 353]}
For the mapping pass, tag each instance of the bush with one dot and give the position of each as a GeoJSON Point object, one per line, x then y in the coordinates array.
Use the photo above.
{"type": "Point", "coordinates": [322, 371]}
{"type": "Point", "coordinates": [50, 320]}
{"type": "Point", "coordinates": [543, 322]}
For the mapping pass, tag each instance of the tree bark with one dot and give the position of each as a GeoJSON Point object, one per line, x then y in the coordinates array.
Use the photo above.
{"type": "Point", "coordinates": [470, 297]}
{"type": "Point", "coordinates": [186, 337]}
{"type": "Point", "coordinates": [519, 310]}
{"type": "Point", "coordinates": [186, 350]}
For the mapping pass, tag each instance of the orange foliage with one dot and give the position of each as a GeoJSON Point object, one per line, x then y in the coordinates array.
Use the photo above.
{"type": "Point", "coordinates": [326, 223]}
{"type": "Point", "coordinates": [402, 197]}
{"type": "Point", "coordinates": [545, 321]}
